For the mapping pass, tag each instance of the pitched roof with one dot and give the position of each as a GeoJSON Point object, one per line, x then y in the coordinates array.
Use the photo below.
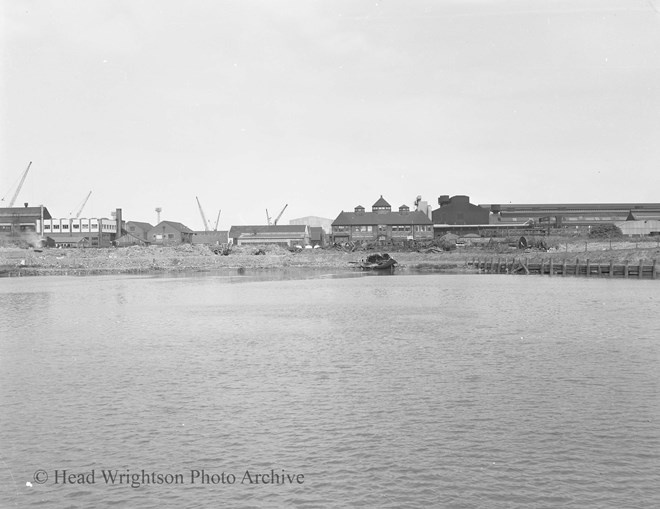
{"type": "Point", "coordinates": [237, 231]}
{"type": "Point", "coordinates": [144, 226]}
{"type": "Point", "coordinates": [375, 218]}
{"type": "Point", "coordinates": [381, 202]}
{"type": "Point", "coordinates": [177, 226]}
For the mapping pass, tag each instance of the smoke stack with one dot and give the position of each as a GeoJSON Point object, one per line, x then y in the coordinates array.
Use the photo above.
{"type": "Point", "coordinates": [25, 204]}
{"type": "Point", "coordinates": [118, 218]}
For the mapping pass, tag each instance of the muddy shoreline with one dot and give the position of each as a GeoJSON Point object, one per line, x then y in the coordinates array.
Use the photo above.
{"type": "Point", "coordinates": [15, 262]}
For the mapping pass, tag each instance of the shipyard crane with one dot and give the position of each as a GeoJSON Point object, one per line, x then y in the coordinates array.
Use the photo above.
{"type": "Point", "coordinates": [20, 185]}
{"type": "Point", "coordinates": [217, 221]}
{"type": "Point", "coordinates": [201, 212]}
{"type": "Point", "coordinates": [280, 214]}
{"type": "Point", "coordinates": [82, 206]}
{"type": "Point", "coordinates": [268, 218]}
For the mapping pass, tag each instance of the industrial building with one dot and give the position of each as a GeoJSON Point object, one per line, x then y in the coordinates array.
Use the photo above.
{"type": "Point", "coordinates": [82, 232]}
{"type": "Point", "coordinates": [458, 210]}
{"type": "Point", "coordinates": [210, 238]}
{"type": "Point", "coordinates": [282, 235]}
{"type": "Point", "coordinates": [456, 215]}
{"type": "Point", "coordinates": [19, 221]}
{"type": "Point", "coordinates": [135, 234]}
{"type": "Point", "coordinates": [169, 233]}
{"type": "Point", "coordinates": [381, 224]}
{"type": "Point", "coordinates": [314, 222]}
{"type": "Point", "coordinates": [639, 227]}
{"type": "Point", "coordinates": [571, 215]}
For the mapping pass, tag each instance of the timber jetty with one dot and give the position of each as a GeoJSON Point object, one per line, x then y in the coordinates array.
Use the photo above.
{"type": "Point", "coordinates": [552, 267]}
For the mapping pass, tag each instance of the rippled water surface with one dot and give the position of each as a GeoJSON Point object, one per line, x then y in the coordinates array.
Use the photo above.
{"type": "Point", "coordinates": [371, 391]}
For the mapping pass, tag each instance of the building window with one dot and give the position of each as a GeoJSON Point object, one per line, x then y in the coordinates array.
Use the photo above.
{"type": "Point", "coordinates": [170, 235]}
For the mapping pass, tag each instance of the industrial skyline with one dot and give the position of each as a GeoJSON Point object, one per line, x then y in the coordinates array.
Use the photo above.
{"type": "Point", "coordinates": [252, 105]}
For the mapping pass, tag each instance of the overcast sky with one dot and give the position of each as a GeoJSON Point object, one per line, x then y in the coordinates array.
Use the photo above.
{"type": "Point", "coordinates": [324, 105]}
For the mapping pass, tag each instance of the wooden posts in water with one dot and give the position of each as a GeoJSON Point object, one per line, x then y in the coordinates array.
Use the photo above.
{"type": "Point", "coordinates": [552, 268]}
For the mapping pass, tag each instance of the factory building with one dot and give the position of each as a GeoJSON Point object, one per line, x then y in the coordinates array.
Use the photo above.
{"type": "Point", "coordinates": [210, 238]}
{"type": "Point", "coordinates": [19, 221]}
{"type": "Point", "coordinates": [82, 232]}
{"type": "Point", "coordinates": [381, 224]}
{"type": "Point", "coordinates": [136, 233]}
{"type": "Point", "coordinates": [574, 216]}
{"type": "Point", "coordinates": [640, 227]}
{"type": "Point", "coordinates": [282, 235]}
{"type": "Point", "coordinates": [458, 210]}
{"type": "Point", "coordinates": [169, 233]}
{"type": "Point", "coordinates": [314, 222]}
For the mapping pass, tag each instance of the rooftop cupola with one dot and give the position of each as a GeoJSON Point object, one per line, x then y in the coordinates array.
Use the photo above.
{"type": "Point", "coordinates": [381, 206]}
{"type": "Point", "coordinates": [359, 210]}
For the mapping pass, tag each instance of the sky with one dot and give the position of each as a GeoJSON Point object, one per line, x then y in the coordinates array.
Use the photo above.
{"type": "Point", "coordinates": [325, 105]}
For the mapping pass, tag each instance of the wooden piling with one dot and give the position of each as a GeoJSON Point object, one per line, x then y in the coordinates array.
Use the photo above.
{"type": "Point", "coordinates": [577, 267]}
{"type": "Point", "coordinates": [588, 268]}
{"type": "Point", "coordinates": [551, 267]}
{"type": "Point", "coordinates": [654, 270]}
{"type": "Point", "coordinates": [563, 268]}
{"type": "Point", "coordinates": [611, 268]}
{"type": "Point", "coordinates": [641, 269]}
{"type": "Point", "coordinates": [625, 269]}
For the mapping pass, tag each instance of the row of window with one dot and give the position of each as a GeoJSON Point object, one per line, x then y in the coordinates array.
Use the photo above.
{"type": "Point", "coordinates": [75, 226]}
{"type": "Point", "coordinates": [382, 228]}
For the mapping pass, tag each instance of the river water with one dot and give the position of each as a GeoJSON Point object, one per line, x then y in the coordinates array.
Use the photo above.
{"type": "Point", "coordinates": [322, 391]}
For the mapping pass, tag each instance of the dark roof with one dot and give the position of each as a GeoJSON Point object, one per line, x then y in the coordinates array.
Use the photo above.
{"type": "Point", "coordinates": [574, 207]}
{"type": "Point", "coordinates": [34, 212]}
{"type": "Point", "coordinates": [381, 202]}
{"type": "Point", "coordinates": [375, 218]}
{"type": "Point", "coordinates": [144, 226]}
{"type": "Point", "coordinates": [177, 226]}
{"type": "Point", "coordinates": [236, 231]}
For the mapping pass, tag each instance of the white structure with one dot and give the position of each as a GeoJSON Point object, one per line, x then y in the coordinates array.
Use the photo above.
{"type": "Point", "coordinates": [640, 227]}
{"type": "Point", "coordinates": [313, 221]}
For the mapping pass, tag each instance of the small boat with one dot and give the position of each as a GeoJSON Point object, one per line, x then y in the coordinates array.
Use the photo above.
{"type": "Point", "coordinates": [378, 262]}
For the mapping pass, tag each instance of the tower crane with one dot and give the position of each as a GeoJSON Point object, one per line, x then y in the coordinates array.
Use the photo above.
{"type": "Point", "coordinates": [20, 185]}
{"type": "Point", "coordinates": [201, 211]}
{"type": "Point", "coordinates": [82, 206]}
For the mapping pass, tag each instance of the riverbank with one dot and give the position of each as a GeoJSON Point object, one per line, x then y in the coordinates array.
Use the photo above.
{"type": "Point", "coordinates": [199, 258]}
